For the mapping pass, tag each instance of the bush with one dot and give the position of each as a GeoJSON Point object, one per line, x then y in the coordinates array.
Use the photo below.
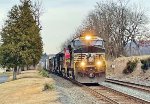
{"type": "Point", "coordinates": [131, 65]}
{"type": "Point", "coordinates": [145, 64]}
{"type": "Point", "coordinates": [48, 86]}
{"type": "Point", "coordinates": [44, 73]}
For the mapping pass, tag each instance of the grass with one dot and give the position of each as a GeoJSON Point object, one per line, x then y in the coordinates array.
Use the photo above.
{"type": "Point", "coordinates": [48, 86]}
{"type": "Point", "coordinates": [44, 73]}
{"type": "Point", "coordinates": [28, 89]}
{"type": "Point", "coordinates": [145, 64]}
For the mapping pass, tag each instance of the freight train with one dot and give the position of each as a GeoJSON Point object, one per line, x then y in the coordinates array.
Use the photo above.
{"type": "Point", "coordinates": [82, 60]}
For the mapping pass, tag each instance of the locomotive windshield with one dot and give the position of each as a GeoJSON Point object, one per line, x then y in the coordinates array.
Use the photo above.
{"type": "Point", "coordinates": [88, 45]}
{"type": "Point", "coordinates": [78, 43]}
{"type": "Point", "coordinates": [89, 49]}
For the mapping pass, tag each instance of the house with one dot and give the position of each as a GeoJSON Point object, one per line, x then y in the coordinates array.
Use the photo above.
{"type": "Point", "coordinates": [141, 47]}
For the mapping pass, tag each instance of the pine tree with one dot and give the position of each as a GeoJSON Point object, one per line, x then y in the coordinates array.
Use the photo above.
{"type": "Point", "coordinates": [10, 49]}
{"type": "Point", "coordinates": [22, 43]}
{"type": "Point", "coordinates": [31, 30]}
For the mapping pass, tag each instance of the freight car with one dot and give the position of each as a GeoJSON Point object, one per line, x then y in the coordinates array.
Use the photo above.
{"type": "Point", "coordinates": [82, 60]}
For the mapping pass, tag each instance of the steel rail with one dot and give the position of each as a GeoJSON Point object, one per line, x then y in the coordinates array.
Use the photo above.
{"type": "Point", "coordinates": [131, 85]}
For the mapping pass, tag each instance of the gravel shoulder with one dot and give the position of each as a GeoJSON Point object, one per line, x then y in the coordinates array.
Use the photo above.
{"type": "Point", "coordinates": [72, 94]}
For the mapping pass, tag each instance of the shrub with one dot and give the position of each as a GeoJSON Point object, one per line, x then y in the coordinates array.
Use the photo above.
{"type": "Point", "coordinates": [145, 64]}
{"type": "Point", "coordinates": [48, 86]}
{"type": "Point", "coordinates": [44, 73]}
{"type": "Point", "coordinates": [131, 65]}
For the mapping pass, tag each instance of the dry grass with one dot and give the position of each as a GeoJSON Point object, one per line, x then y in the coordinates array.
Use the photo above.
{"type": "Point", "coordinates": [27, 90]}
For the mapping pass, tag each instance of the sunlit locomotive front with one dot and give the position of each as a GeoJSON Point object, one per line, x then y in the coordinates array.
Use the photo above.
{"type": "Point", "coordinates": [82, 60]}
{"type": "Point", "coordinates": [88, 56]}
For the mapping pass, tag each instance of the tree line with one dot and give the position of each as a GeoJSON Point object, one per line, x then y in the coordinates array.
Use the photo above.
{"type": "Point", "coordinates": [117, 23]}
{"type": "Point", "coordinates": [21, 38]}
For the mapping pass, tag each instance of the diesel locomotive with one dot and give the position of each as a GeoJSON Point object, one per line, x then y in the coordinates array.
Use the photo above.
{"type": "Point", "coordinates": [82, 60]}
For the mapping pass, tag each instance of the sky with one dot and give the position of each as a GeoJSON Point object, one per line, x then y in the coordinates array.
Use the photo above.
{"type": "Point", "coordinates": [60, 18]}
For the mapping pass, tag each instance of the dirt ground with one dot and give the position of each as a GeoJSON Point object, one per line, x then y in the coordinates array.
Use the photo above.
{"type": "Point", "coordinates": [28, 89]}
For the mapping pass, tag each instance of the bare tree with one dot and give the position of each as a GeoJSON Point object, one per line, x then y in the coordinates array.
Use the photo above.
{"type": "Point", "coordinates": [38, 11]}
{"type": "Point", "coordinates": [117, 24]}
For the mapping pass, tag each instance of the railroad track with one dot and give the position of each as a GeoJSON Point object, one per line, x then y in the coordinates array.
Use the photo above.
{"type": "Point", "coordinates": [129, 84]}
{"type": "Point", "coordinates": [108, 95]}
{"type": "Point", "coordinates": [92, 91]}
{"type": "Point", "coordinates": [117, 97]}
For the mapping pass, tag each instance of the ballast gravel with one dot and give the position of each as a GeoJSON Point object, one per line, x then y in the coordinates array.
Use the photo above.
{"type": "Point", "coordinates": [72, 94]}
{"type": "Point", "coordinates": [133, 92]}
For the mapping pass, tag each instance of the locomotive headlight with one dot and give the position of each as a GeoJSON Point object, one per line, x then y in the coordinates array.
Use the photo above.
{"type": "Point", "coordinates": [98, 63]}
{"type": "Point", "coordinates": [87, 37]}
{"type": "Point", "coordinates": [82, 64]}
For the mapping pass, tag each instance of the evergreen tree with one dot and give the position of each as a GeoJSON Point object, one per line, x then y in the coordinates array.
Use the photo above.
{"type": "Point", "coordinates": [32, 31]}
{"type": "Point", "coordinates": [22, 43]}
